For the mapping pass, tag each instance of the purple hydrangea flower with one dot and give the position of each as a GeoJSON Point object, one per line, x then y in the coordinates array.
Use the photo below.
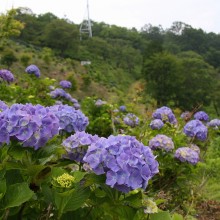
{"type": "Point", "coordinates": [194, 147]}
{"type": "Point", "coordinates": [214, 123]}
{"type": "Point", "coordinates": [186, 154]}
{"type": "Point", "coordinates": [131, 120]}
{"type": "Point", "coordinates": [184, 114]}
{"type": "Point", "coordinates": [33, 69]}
{"type": "Point", "coordinates": [65, 84]}
{"type": "Point", "coordinates": [70, 119]}
{"type": "Point", "coordinates": [60, 93]}
{"type": "Point", "coordinates": [161, 141]}
{"type": "Point", "coordinates": [122, 108]}
{"type": "Point", "coordinates": [99, 103]}
{"type": "Point", "coordinates": [76, 145]}
{"type": "Point", "coordinates": [127, 163]}
{"type": "Point", "coordinates": [156, 124]}
{"type": "Point", "coordinates": [6, 75]}
{"type": "Point", "coordinates": [201, 115]}
{"type": "Point", "coordinates": [32, 125]}
{"type": "Point", "coordinates": [3, 106]}
{"type": "Point", "coordinates": [165, 114]}
{"type": "Point", "coordinates": [197, 129]}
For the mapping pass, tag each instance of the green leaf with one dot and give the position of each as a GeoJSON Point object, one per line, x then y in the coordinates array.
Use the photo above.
{"type": "Point", "coordinates": [160, 215]}
{"type": "Point", "coordinates": [2, 187]}
{"type": "Point", "coordinates": [17, 194]}
{"type": "Point", "coordinates": [77, 198]}
{"type": "Point", "coordinates": [78, 175]}
{"type": "Point", "coordinates": [177, 216]}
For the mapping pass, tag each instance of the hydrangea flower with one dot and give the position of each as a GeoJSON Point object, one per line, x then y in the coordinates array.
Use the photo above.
{"type": "Point", "coordinates": [156, 124]}
{"type": "Point", "coordinates": [195, 148]}
{"type": "Point", "coordinates": [76, 145]}
{"type": "Point", "coordinates": [99, 103]}
{"type": "Point", "coordinates": [161, 141]}
{"type": "Point", "coordinates": [165, 114]}
{"type": "Point", "coordinates": [214, 123]}
{"type": "Point", "coordinates": [6, 75]}
{"type": "Point", "coordinates": [65, 84]}
{"type": "Point", "coordinates": [184, 115]}
{"type": "Point", "coordinates": [122, 108]}
{"type": "Point", "coordinates": [202, 116]}
{"type": "Point", "coordinates": [127, 163]}
{"type": "Point", "coordinates": [32, 125]}
{"type": "Point", "coordinates": [3, 106]}
{"type": "Point", "coordinates": [33, 69]}
{"type": "Point", "coordinates": [70, 119]}
{"type": "Point", "coordinates": [131, 120]}
{"type": "Point", "coordinates": [186, 154]}
{"type": "Point", "coordinates": [197, 129]}
{"type": "Point", "coordinates": [60, 93]}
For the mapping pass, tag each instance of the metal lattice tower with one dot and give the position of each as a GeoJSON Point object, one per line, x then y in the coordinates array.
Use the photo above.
{"type": "Point", "coordinates": [86, 27]}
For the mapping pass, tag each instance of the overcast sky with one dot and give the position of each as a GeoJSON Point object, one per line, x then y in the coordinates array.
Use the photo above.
{"type": "Point", "coordinates": [204, 14]}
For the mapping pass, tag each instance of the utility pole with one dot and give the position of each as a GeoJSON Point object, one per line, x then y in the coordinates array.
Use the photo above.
{"type": "Point", "coordinates": [86, 27]}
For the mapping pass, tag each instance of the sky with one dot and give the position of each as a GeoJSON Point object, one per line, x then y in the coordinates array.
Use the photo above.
{"type": "Point", "coordinates": [204, 14]}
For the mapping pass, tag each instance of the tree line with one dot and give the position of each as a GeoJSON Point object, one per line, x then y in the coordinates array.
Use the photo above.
{"type": "Point", "coordinates": [180, 64]}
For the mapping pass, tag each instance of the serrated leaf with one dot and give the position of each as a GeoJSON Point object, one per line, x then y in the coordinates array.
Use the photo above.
{"type": "Point", "coordinates": [17, 194]}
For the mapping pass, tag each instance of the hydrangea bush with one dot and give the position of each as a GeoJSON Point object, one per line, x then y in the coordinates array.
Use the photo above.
{"type": "Point", "coordinates": [61, 162]}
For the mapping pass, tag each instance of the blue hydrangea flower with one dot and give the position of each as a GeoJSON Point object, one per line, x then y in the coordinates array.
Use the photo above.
{"type": "Point", "coordinates": [60, 93]}
{"type": "Point", "coordinates": [195, 148]}
{"type": "Point", "coordinates": [184, 114]}
{"type": "Point", "coordinates": [165, 114]}
{"type": "Point", "coordinates": [33, 69]}
{"type": "Point", "coordinates": [6, 75]}
{"type": "Point", "coordinates": [99, 102]}
{"type": "Point", "coordinates": [29, 124]}
{"type": "Point", "coordinates": [186, 154]}
{"type": "Point", "coordinates": [65, 84]}
{"type": "Point", "coordinates": [127, 163]}
{"type": "Point", "coordinates": [70, 119]}
{"type": "Point", "coordinates": [131, 120]}
{"type": "Point", "coordinates": [161, 141]}
{"type": "Point", "coordinates": [122, 108]}
{"type": "Point", "coordinates": [3, 106]}
{"type": "Point", "coordinates": [214, 123]}
{"type": "Point", "coordinates": [202, 116]}
{"type": "Point", "coordinates": [197, 129]}
{"type": "Point", "coordinates": [156, 124]}
{"type": "Point", "coordinates": [76, 145]}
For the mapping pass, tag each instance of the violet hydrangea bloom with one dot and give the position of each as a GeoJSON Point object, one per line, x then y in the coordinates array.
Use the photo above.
{"type": "Point", "coordinates": [60, 93]}
{"type": "Point", "coordinates": [161, 141]}
{"type": "Point", "coordinates": [131, 120]}
{"type": "Point", "coordinates": [165, 114]}
{"type": "Point", "coordinates": [33, 69]}
{"type": "Point", "coordinates": [99, 103]}
{"type": "Point", "coordinates": [127, 163]}
{"type": "Point", "coordinates": [6, 75]}
{"type": "Point", "coordinates": [76, 145]}
{"type": "Point", "coordinates": [29, 124]}
{"type": "Point", "coordinates": [201, 115]}
{"type": "Point", "coordinates": [3, 106]}
{"type": "Point", "coordinates": [65, 84]}
{"type": "Point", "coordinates": [186, 154]}
{"type": "Point", "coordinates": [214, 123]}
{"type": "Point", "coordinates": [70, 119]}
{"type": "Point", "coordinates": [195, 128]}
{"type": "Point", "coordinates": [122, 108]}
{"type": "Point", "coordinates": [156, 124]}
{"type": "Point", "coordinates": [194, 147]}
